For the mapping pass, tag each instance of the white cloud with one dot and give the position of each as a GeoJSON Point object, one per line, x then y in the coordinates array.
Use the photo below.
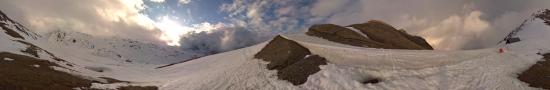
{"type": "Point", "coordinates": [256, 15]}
{"type": "Point", "coordinates": [102, 18]}
{"type": "Point", "coordinates": [120, 18]}
{"type": "Point", "coordinates": [220, 39]}
{"type": "Point", "coordinates": [455, 31]}
{"type": "Point", "coordinates": [172, 31]}
{"type": "Point", "coordinates": [157, 1]}
{"type": "Point", "coordinates": [183, 2]}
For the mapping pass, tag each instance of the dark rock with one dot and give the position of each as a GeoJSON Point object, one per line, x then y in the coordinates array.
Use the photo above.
{"type": "Point", "coordinates": [513, 34]}
{"type": "Point", "coordinates": [416, 39]}
{"type": "Point", "coordinates": [281, 52]}
{"type": "Point", "coordinates": [138, 88]}
{"type": "Point", "coordinates": [384, 33]}
{"type": "Point", "coordinates": [298, 72]}
{"type": "Point", "coordinates": [343, 35]}
{"type": "Point", "coordinates": [544, 15]}
{"type": "Point", "coordinates": [371, 81]}
{"type": "Point", "coordinates": [290, 59]}
{"type": "Point", "coordinates": [112, 80]}
{"type": "Point", "coordinates": [538, 75]}
{"type": "Point", "coordinates": [379, 35]}
{"type": "Point", "coordinates": [512, 40]}
{"type": "Point", "coordinates": [10, 32]}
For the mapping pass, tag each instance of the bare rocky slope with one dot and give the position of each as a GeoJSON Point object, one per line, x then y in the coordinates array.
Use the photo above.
{"type": "Point", "coordinates": [378, 35]}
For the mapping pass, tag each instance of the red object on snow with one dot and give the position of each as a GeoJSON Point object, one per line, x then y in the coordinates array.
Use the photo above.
{"type": "Point", "coordinates": [500, 50]}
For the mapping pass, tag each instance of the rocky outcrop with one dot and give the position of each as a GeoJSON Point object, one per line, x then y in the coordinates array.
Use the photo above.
{"type": "Point", "coordinates": [384, 33]}
{"type": "Point", "coordinates": [537, 75]}
{"type": "Point", "coordinates": [343, 35]}
{"type": "Point", "coordinates": [298, 72]}
{"type": "Point", "coordinates": [30, 73]}
{"type": "Point", "coordinates": [292, 61]}
{"type": "Point", "coordinates": [281, 52]}
{"type": "Point", "coordinates": [416, 39]}
{"type": "Point", "coordinates": [379, 35]}
{"type": "Point", "coordinates": [544, 15]}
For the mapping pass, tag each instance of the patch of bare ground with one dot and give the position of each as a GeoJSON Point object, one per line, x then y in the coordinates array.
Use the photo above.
{"type": "Point", "coordinates": [28, 73]}
{"type": "Point", "coordinates": [538, 75]}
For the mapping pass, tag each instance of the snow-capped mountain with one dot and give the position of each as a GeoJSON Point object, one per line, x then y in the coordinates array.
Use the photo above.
{"type": "Point", "coordinates": [121, 49]}
{"type": "Point", "coordinates": [366, 56]}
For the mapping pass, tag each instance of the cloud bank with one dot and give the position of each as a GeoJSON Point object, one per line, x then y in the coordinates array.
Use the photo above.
{"type": "Point", "coordinates": [220, 40]}
{"type": "Point", "coordinates": [120, 18]}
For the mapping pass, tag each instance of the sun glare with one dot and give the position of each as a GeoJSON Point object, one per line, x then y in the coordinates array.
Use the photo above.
{"type": "Point", "coordinates": [171, 31]}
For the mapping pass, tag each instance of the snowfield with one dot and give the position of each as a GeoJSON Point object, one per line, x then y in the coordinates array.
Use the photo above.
{"type": "Point", "coordinates": [483, 69]}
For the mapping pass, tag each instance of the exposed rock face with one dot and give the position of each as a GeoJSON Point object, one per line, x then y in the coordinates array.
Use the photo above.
{"type": "Point", "coordinates": [298, 72]}
{"type": "Point", "coordinates": [544, 15]}
{"type": "Point", "coordinates": [281, 52]}
{"type": "Point", "coordinates": [343, 35]}
{"type": "Point", "coordinates": [384, 33]}
{"type": "Point", "coordinates": [379, 35]}
{"type": "Point", "coordinates": [20, 74]}
{"type": "Point", "coordinates": [416, 39]}
{"type": "Point", "coordinates": [537, 75]}
{"type": "Point", "coordinates": [292, 61]}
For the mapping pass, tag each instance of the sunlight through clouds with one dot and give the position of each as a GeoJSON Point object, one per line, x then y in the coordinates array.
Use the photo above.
{"type": "Point", "coordinates": [171, 31]}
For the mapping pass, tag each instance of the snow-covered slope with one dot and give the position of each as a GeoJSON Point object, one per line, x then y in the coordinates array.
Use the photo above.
{"type": "Point", "coordinates": [126, 50]}
{"type": "Point", "coordinates": [348, 66]}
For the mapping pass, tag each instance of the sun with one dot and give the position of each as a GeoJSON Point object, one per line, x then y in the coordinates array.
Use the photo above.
{"type": "Point", "coordinates": [172, 31]}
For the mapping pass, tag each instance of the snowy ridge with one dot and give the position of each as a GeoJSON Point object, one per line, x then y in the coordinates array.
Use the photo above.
{"type": "Point", "coordinates": [121, 49]}
{"type": "Point", "coordinates": [11, 27]}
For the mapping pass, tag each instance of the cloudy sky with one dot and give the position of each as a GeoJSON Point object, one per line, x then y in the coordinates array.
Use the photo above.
{"type": "Point", "coordinates": [220, 25]}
